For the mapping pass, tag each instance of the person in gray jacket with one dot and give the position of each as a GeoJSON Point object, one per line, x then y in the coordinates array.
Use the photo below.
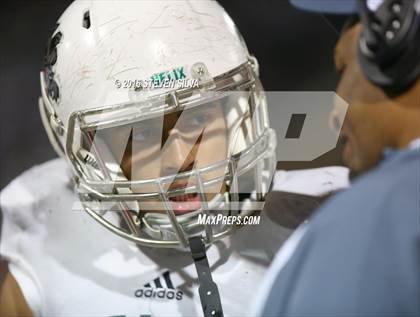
{"type": "Point", "coordinates": [359, 255]}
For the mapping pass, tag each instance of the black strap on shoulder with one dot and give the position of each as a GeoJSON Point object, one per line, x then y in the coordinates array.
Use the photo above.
{"type": "Point", "coordinates": [209, 294]}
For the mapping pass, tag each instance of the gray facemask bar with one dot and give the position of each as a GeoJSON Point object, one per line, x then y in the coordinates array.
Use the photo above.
{"type": "Point", "coordinates": [259, 150]}
{"type": "Point", "coordinates": [93, 190]}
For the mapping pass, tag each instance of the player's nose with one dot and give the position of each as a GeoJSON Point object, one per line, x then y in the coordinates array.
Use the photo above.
{"type": "Point", "coordinates": [179, 156]}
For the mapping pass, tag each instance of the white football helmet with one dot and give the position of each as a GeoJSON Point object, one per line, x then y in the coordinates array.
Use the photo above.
{"type": "Point", "coordinates": [158, 108]}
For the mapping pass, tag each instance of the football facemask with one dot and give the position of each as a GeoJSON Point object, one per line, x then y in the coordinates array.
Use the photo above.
{"type": "Point", "coordinates": [152, 170]}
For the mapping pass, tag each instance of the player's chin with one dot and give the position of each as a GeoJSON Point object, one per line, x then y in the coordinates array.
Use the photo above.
{"type": "Point", "coordinates": [349, 156]}
{"type": "Point", "coordinates": [358, 161]}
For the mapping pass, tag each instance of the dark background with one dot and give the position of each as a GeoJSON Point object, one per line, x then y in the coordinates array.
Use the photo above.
{"type": "Point", "coordinates": [294, 49]}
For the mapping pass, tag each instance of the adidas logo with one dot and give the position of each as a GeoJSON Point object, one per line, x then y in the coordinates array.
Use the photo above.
{"type": "Point", "coordinates": [156, 290]}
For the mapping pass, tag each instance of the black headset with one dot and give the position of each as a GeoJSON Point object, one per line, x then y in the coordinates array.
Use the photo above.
{"type": "Point", "coordinates": [389, 46]}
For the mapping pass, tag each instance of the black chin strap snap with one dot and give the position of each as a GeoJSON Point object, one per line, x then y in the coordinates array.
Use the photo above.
{"type": "Point", "coordinates": [209, 294]}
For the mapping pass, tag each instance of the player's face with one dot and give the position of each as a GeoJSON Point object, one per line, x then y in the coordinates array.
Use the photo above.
{"type": "Point", "coordinates": [172, 144]}
{"type": "Point", "coordinates": [365, 132]}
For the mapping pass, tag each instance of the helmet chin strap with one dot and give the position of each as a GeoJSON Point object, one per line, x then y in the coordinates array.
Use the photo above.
{"type": "Point", "coordinates": [209, 294]}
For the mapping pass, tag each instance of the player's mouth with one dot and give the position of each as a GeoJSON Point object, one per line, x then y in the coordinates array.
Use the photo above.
{"type": "Point", "coordinates": [183, 204]}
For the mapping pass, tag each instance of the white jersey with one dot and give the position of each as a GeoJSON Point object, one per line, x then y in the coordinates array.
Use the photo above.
{"type": "Point", "coordinates": [68, 265]}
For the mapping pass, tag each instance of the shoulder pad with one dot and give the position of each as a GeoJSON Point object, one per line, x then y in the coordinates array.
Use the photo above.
{"type": "Point", "coordinates": [35, 184]}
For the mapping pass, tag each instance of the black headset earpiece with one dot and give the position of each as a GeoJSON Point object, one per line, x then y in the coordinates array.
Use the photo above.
{"type": "Point", "coordinates": [389, 46]}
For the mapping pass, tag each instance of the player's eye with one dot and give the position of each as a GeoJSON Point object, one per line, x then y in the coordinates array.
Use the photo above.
{"type": "Point", "coordinates": [197, 122]}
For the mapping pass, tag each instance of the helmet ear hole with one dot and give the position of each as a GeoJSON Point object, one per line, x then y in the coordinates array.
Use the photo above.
{"type": "Point", "coordinates": [86, 20]}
